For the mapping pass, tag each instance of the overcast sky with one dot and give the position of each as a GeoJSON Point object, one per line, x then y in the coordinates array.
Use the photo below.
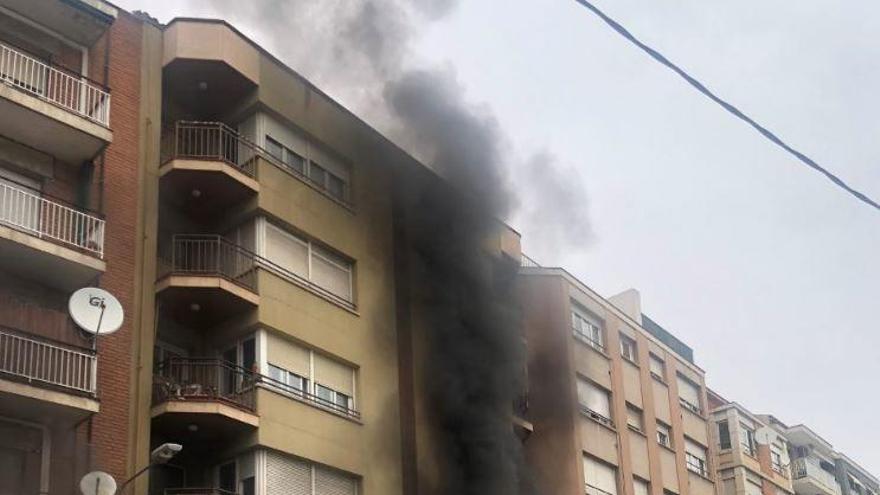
{"type": "Point", "coordinates": [767, 270]}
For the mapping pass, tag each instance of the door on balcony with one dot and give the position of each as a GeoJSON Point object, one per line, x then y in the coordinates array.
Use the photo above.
{"type": "Point", "coordinates": [20, 201]}
{"type": "Point", "coordinates": [239, 361]}
{"type": "Point", "coordinates": [226, 477]}
{"type": "Point", "coordinates": [20, 459]}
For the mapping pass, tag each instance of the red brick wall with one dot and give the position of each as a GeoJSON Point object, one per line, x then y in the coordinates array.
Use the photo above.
{"type": "Point", "coordinates": [110, 426]}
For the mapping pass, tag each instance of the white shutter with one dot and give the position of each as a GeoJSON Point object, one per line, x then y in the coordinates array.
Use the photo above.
{"type": "Point", "coordinates": [594, 398]}
{"type": "Point", "coordinates": [634, 418]}
{"type": "Point", "coordinates": [334, 375]}
{"type": "Point", "coordinates": [288, 355]}
{"type": "Point", "coordinates": [600, 475]}
{"type": "Point", "coordinates": [640, 486]}
{"type": "Point", "coordinates": [688, 391]}
{"type": "Point", "coordinates": [287, 476]}
{"type": "Point", "coordinates": [329, 482]}
{"type": "Point", "coordinates": [287, 251]}
{"type": "Point", "coordinates": [331, 273]}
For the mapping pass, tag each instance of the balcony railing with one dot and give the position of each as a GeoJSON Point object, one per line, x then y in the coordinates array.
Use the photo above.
{"type": "Point", "coordinates": [527, 262]}
{"type": "Point", "coordinates": [309, 397]}
{"type": "Point", "coordinates": [204, 379]}
{"type": "Point", "coordinates": [211, 256]}
{"type": "Point", "coordinates": [197, 491]}
{"type": "Point", "coordinates": [25, 210]}
{"type": "Point", "coordinates": [809, 468]}
{"type": "Point", "coordinates": [191, 140]}
{"type": "Point", "coordinates": [68, 90]}
{"type": "Point", "coordinates": [38, 360]}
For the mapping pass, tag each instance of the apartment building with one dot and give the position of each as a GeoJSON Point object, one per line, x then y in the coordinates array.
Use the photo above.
{"type": "Point", "coordinates": [617, 404]}
{"type": "Point", "coordinates": [70, 155]}
{"type": "Point", "coordinates": [817, 468]}
{"type": "Point", "coordinates": [753, 458]}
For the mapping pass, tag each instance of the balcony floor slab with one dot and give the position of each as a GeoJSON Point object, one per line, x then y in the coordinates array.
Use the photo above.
{"type": "Point", "coordinates": [47, 262]}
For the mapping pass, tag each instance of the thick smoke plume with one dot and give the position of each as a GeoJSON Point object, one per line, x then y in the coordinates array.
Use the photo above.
{"type": "Point", "coordinates": [360, 52]}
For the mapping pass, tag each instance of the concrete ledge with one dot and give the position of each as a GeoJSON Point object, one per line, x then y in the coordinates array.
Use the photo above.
{"type": "Point", "coordinates": [56, 397]}
{"type": "Point", "coordinates": [207, 283]}
{"type": "Point", "coordinates": [205, 407]}
{"type": "Point", "coordinates": [210, 166]}
{"type": "Point", "coordinates": [59, 266]}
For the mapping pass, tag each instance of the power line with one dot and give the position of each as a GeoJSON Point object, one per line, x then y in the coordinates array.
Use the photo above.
{"type": "Point", "coordinates": [727, 106]}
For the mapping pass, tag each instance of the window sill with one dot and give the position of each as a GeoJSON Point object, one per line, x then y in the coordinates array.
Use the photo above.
{"type": "Point", "coordinates": [657, 378]}
{"type": "Point", "coordinates": [598, 421]}
{"type": "Point", "coordinates": [309, 403]}
{"type": "Point", "coordinates": [703, 476]}
{"type": "Point", "coordinates": [592, 345]}
{"type": "Point", "coordinates": [667, 447]}
{"type": "Point", "coordinates": [637, 431]}
{"type": "Point", "coordinates": [630, 361]}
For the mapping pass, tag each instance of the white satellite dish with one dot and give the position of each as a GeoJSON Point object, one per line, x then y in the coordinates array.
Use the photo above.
{"type": "Point", "coordinates": [765, 435]}
{"type": "Point", "coordinates": [97, 483]}
{"type": "Point", "coordinates": [95, 310]}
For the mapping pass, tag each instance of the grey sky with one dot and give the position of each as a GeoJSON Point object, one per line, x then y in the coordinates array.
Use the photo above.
{"type": "Point", "coordinates": [760, 264]}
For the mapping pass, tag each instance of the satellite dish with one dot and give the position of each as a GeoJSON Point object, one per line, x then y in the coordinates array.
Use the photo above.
{"type": "Point", "coordinates": [765, 435]}
{"type": "Point", "coordinates": [95, 310]}
{"type": "Point", "coordinates": [97, 483]}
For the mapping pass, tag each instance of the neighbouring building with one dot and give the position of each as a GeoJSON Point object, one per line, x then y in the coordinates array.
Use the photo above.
{"type": "Point", "coordinates": [70, 196]}
{"type": "Point", "coordinates": [817, 468]}
{"type": "Point", "coordinates": [753, 458]}
{"type": "Point", "coordinates": [617, 404]}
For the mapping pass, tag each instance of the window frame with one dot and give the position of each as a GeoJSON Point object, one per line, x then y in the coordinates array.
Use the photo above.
{"type": "Point", "coordinates": [695, 463]}
{"type": "Point", "coordinates": [307, 163]}
{"type": "Point", "coordinates": [664, 431]}
{"type": "Point", "coordinates": [629, 344]}
{"type": "Point", "coordinates": [581, 317]}
{"type": "Point", "coordinates": [724, 435]}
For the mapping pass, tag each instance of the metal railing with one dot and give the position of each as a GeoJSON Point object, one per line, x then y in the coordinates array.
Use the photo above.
{"type": "Point", "coordinates": [690, 407]}
{"type": "Point", "coordinates": [308, 397]}
{"type": "Point", "coordinates": [40, 360]}
{"type": "Point", "coordinates": [204, 379]}
{"type": "Point", "coordinates": [806, 467]}
{"type": "Point", "coordinates": [588, 339]}
{"type": "Point", "coordinates": [39, 216]}
{"type": "Point", "coordinates": [601, 418]}
{"type": "Point", "coordinates": [197, 491]}
{"type": "Point", "coordinates": [696, 464]}
{"type": "Point", "coordinates": [214, 256]}
{"type": "Point", "coordinates": [527, 262]}
{"type": "Point", "coordinates": [55, 84]}
{"type": "Point", "coordinates": [594, 490]}
{"type": "Point", "coordinates": [194, 140]}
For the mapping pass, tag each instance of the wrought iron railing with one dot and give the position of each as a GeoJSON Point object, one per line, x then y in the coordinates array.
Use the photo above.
{"type": "Point", "coordinates": [601, 418]}
{"type": "Point", "coordinates": [25, 210]}
{"type": "Point", "coordinates": [527, 262]}
{"type": "Point", "coordinates": [690, 406]}
{"type": "Point", "coordinates": [193, 140]}
{"type": "Point", "coordinates": [35, 359]}
{"type": "Point", "coordinates": [211, 255]}
{"type": "Point", "coordinates": [60, 86]}
{"type": "Point", "coordinates": [204, 379]}
{"type": "Point", "coordinates": [197, 491]}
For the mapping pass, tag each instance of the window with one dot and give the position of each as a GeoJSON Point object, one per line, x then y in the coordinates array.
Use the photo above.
{"type": "Point", "coordinates": [587, 328]}
{"type": "Point", "coordinates": [286, 475]}
{"type": "Point", "coordinates": [634, 418]}
{"type": "Point", "coordinates": [689, 395]}
{"type": "Point", "coordinates": [657, 367]}
{"type": "Point", "coordinates": [595, 401]}
{"type": "Point", "coordinates": [331, 179]}
{"type": "Point", "coordinates": [747, 439]}
{"type": "Point", "coordinates": [599, 478]}
{"type": "Point", "coordinates": [628, 348]}
{"type": "Point", "coordinates": [664, 435]}
{"type": "Point", "coordinates": [695, 456]}
{"type": "Point", "coordinates": [723, 434]}
{"type": "Point", "coordinates": [640, 487]}
{"type": "Point", "coordinates": [315, 377]}
{"type": "Point", "coordinates": [308, 261]}
{"type": "Point", "coordinates": [776, 458]}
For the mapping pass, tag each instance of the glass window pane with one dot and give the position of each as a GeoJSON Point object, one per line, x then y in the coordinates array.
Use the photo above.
{"type": "Point", "coordinates": [277, 373]}
{"type": "Point", "coordinates": [317, 174]}
{"type": "Point", "coordinates": [330, 274]}
{"type": "Point", "coordinates": [335, 186]}
{"type": "Point", "coordinates": [295, 162]}
{"type": "Point", "coordinates": [287, 251]}
{"type": "Point", "coordinates": [342, 400]}
{"type": "Point", "coordinates": [274, 148]}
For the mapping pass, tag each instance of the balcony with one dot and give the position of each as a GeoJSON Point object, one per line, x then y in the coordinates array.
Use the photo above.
{"type": "Point", "coordinates": [207, 167]}
{"type": "Point", "coordinates": [45, 239]}
{"type": "Point", "coordinates": [197, 491]}
{"type": "Point", "coordinates": [203, 390]}
{"type": "Point", "coordinates": [205, 279]}
{"type": "Point", "coordinates": [41, 378]}
{"type": "Point", "coordinates": [809, 477]}
{"type": "Point", "coordinates": [51, 109]}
